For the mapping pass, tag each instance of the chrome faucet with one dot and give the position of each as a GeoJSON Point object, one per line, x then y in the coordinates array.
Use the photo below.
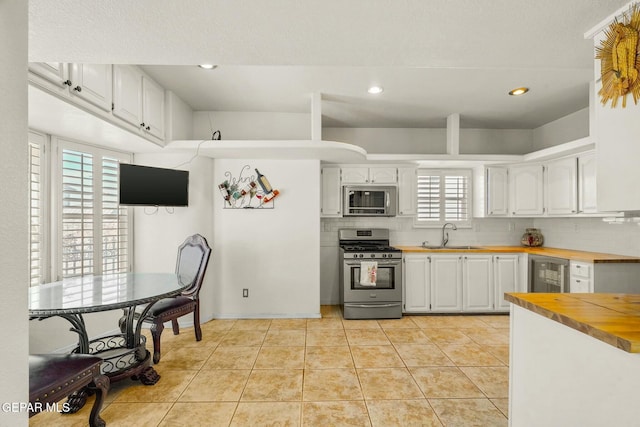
{"type": "Point", "coordinates": [445, 237]}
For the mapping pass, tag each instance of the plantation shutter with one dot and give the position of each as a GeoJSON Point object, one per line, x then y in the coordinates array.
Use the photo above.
{"type": "Point", "coordinates": [456, 198]}
{"type": "Point", "coordinates": [94, 227]}
{"type": "Point", "coordinates": [443, 196]}
{"type": "Point", "coordinates": [36, 214]}
{"type": "Point", "coordinates": [115, 222]}
{"type": "Point", "coordinates": [77, 213]}
{"type": "Point", "coordinates": [428, 197]}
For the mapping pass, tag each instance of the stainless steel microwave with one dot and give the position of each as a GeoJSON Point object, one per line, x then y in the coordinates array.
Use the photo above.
{"type": "Point", "coordinates": [369, 200]}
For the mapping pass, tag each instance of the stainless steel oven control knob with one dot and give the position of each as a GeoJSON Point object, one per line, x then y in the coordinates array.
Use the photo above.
{"type": "Point", "coordinates": [373, 255]}
{"type": "Point", "coordinates": [361, 255]}
{"type": "Point", "coordinates": [390, 256]}
{"type": "Point", "coordinates": [384, 255]}
{"type": "Point", "coordinates": [355, 255]}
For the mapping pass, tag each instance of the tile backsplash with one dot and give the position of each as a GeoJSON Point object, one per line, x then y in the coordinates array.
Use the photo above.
{"type": "Point", "coordinates": [485, 231]}
{"type": "Point", "coordinates": [587, 234]}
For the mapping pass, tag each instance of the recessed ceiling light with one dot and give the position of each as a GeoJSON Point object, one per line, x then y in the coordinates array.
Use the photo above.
{"type": "Point", "coordinates": [207, 66]}
{"type": "Point", "coordinates": [374, 90]}
{"type": "Point", "coordinates": [519, 91]}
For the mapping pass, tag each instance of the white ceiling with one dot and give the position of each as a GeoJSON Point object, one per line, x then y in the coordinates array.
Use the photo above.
{"type": "Point", "coordinates": [433, 57]}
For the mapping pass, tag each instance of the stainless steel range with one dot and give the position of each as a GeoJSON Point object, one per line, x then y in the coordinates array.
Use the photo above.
{"type": "Point", "coordinates": [376, 297]}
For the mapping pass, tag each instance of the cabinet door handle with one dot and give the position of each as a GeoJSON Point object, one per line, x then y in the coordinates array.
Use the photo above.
{"type": "Point", "coordinates": [78, 89]}
{"type": "Point", "coordinates": [67, 82]}
{"type": "Point", "coordinates": [142, 124]}
{"type": "Point", "coordinates": [148, 128]}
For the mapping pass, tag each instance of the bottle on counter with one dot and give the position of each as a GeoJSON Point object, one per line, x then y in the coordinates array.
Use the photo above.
{"type": "Point", "coordinates": [264, 183]}
{"type": "Point", "coordinates": [270, 197]}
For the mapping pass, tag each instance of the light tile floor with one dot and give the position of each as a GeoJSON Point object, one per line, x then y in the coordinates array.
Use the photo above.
{"type": "Point", "coordinates": [414, 371]}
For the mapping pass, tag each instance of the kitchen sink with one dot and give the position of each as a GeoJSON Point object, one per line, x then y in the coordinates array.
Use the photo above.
{"type": "Point", "coordinates": [450, 247]}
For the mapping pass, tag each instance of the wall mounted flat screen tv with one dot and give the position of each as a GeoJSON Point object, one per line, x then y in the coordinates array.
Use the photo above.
{"type": "Point", "coordinates": [150, 186]}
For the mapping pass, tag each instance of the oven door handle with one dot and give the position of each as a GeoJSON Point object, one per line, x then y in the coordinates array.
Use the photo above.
{"type": "Point", "coordinates": [398, 262]}
{"type": "Point", "coordinates": [372, 305]}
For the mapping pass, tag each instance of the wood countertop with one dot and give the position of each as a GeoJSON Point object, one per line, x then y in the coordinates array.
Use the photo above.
{"type": "Point", "coordinates": [570, 254]}
{"type": "Point", "coordinates": [611, 318]}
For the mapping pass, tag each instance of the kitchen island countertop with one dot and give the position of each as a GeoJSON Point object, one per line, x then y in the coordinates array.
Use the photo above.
{"type": "Point", "coordinates": [611, 318]}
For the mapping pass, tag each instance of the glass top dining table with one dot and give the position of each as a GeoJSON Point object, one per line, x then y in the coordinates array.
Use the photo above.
{"type": "Point", "coordinates": [124, 355]}
{"type": "Point", "coordinates": [89, 294]}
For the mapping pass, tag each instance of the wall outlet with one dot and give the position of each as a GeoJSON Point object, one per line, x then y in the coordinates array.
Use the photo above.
{"type": "Point", "coordinates": [512, 226]}
{"type": "Point", "coordinates": [245, 293]}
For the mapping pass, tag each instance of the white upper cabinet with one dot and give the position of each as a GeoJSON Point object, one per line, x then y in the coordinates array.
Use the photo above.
{"type": "Point", "coordinates": [127, 93]}
{"type": "Point", "coordinates": [353, 175]}
{"type": "Point", "coordinates": [90, 82]}
{"type": "Point", "coordinates": [152, 107]}
{"type": "Point", "coordinates": [56, 73]}
{"type": "Point", "coordinates": [407, 197]}
{"type": "Point", "coordinates": [365, 175]}
{"type": "Point", "coordinates": [587, 193]}
{"type": "Point", "coordinates": [138, 100]}
{"type": "Point", "coordinates": [330, 192]}
{"type": "Point", "coordinates": [562, 186]}
{"type": "Point", "coordinates": [497, 179]}
{"type": "Point", "coordinates": [383, 175]}
{"type": "Point", "coordinates": [93, 83]}
{"type": "Point", "coordinates": [526, 190]}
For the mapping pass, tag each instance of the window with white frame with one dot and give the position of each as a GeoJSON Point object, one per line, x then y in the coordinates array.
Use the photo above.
{"type": "Point", "coordinates": [89, 232]}
{"type": "Point", "coordinates": [444, 195]}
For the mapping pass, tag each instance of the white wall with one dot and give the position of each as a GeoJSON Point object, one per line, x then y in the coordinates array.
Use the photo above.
{"type": "Point", "coordinates": [275, 253]}
{"type": "Point", "coordinates": [590, 234]}
{"type": "Point", "coordinates": [391, 140]}
{"type": "Point", "coordinates": [236, 125]}
{"type": "Point", "coordinates": [566, 129]}
{"type": "Point", "coordinates": [496, 141]}
{"type": "Point", "coordinates": [158, 235]}
{"type": "Point", "coordinates": [14, 208]}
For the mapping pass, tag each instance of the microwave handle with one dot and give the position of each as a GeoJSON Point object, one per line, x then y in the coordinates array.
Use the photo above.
{"type": "Point", "coordinates": [386, 196]}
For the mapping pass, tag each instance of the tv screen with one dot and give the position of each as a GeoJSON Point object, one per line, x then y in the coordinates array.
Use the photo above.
{"type": "Point", "coordinates": [149, 186]}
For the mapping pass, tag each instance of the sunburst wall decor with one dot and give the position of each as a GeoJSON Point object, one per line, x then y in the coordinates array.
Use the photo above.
{"type": "Point", "coordinates": [619, 54]}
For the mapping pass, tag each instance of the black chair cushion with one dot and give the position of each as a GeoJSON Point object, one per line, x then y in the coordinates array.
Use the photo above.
{"type": "Point", "coordinates": [48, 372]}
{"type": "Point", "coordinates": [164, 306]}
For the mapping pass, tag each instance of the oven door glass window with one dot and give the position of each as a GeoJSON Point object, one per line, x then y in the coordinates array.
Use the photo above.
{"type": "Point", "coordinates": [385, 278]}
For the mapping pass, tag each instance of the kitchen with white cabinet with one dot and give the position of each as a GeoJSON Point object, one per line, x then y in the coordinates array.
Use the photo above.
{"type": "Point", "coordinates": [534, 164]}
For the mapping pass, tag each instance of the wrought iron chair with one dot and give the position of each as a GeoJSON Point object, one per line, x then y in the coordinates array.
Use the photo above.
{"type": "Point", "coordinates": [193, 257]}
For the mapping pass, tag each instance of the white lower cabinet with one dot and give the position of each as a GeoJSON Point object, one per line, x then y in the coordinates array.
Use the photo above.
{"type": "Point", "coordinates": [446, 283]}
{"type": "Point", "coordinates": [477, 283]}
{"type": "Point", "coordinates": [506, 278]}
{"type": "Point", "coordinates": [460, 282]}
{"type": "Point", "coordinates": [580, 277]}
{"type": "Point", "coordinates": [417, 283]}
